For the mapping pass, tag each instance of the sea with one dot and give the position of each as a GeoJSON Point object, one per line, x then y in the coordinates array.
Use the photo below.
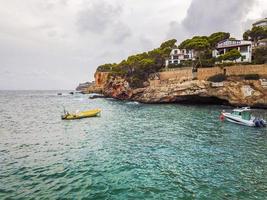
{"type": "Point", "coordinates": [131, 151]}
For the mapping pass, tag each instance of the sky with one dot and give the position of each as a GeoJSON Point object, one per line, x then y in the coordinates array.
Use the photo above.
{"type": "Point", "coordinates": [57, 44]}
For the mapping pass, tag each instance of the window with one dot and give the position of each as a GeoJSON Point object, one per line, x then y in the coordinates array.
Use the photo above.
{"type": "Point", "coordinates": [186, 56]}
{"type": "Point", "coordinates": [175, 51]}
{"type": "Point", "coordinates": [243, 49]}
{"type": "Point", "coordinates": [221, 52]}
{"type": "Point", "coordinates": [175, 57]}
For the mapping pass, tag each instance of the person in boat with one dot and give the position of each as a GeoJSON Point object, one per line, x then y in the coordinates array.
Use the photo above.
{"type": "Point", "coordinates": [222, 116]}
{"type": "Point", "coordinates": [66, 113]}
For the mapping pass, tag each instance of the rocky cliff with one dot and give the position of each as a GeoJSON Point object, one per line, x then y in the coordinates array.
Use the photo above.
{"type": "Point", "coordinates": [83, 86]}
{"type": "Point", "coordinates": [97, 86]}
{"type": "Point", "coordinates": [179, 86]}
{"type": "Point", "coordinates": [234, 92]}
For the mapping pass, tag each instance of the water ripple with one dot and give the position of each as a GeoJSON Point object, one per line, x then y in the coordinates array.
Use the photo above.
{"type": "Point", "coordinates": [133, 151]}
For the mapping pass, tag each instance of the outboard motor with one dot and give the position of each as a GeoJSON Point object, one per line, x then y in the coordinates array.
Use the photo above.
{"type": "Point", "coordinates": [262, 122]}
{"type": "Point", "coordinates": [257, 123]}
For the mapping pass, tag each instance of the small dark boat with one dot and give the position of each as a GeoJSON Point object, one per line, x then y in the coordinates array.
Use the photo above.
{"type": "Point", "coordinates": [97, 97]}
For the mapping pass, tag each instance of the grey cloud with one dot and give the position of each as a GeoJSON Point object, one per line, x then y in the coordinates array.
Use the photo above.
{"type": "Point", "coordinates": [207, 16]}
{"type": "Point", "coordinates": [146, 43]}
{"type": "Point", "coordinates": [264, 13]}
{"type": "Point", "coordinates": [248, 23]}
{"type": "Point", "coordinates": [98, 17]}
{"type": "Point", "coordinates": [51, 4]}
{"type": "Point", "coordinates": [52, 44]}
{"type": "Point", "coordinates": [47, 4]}
{"type": "Point", "coordinates": [177, 31]}
{"type": "Point", "coordinates": [120, 33]}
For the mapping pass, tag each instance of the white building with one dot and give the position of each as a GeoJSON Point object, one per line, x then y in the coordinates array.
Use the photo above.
{"type": "Point", "coordinates": [244, 47]}
{"type": "Point", "coordinates": [261, 23]}
{"type": "Point", "coordinates": [179, 55]}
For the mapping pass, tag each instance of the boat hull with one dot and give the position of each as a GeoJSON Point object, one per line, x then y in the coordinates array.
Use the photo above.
{"type": "Point", "coordinates": [81, 115]}
{"type": "Point", "coordinates": [238, 120]}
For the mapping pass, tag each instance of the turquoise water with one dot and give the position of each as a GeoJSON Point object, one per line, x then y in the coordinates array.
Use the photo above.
{"type": "Point", "coordinates": [133, 151]}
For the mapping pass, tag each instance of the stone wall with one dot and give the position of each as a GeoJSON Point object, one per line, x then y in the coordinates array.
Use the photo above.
{"type": "Point", "coordinates": [205, 73]}
{"type": "Point", "coordinates": [177, 74]}
{"type": "Point", "coordinates": [183, 74]}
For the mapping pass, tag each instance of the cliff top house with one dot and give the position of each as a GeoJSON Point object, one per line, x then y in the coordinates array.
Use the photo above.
{"type": "Point", "coordinates": [243, 46]}
{"type": "Point", "coordinates": [179, 55]}
{"type": "Point", "coordinates": [262, 42]}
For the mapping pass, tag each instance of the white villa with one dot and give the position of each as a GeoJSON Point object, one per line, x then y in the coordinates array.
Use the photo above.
{"type": "Point", "coordinates": [179, 55]}
{"type": "Point", "coordinates": [244, 47]}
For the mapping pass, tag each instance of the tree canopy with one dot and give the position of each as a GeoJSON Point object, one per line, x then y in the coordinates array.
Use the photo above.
{"type": "Point", "coordinates": [231, 55]}
{"type": "Point", "coordinates": [136, 68]}
{"type": "Point", "coordinates": [204, 42]}
{"type": "Point", "coordinates": [217, 37]}
{"type": "Point", "coordinates": [170, 43]}
{"type": "Point", "coordinates": [255, 34]}
{"type": "Point", "coordinates": [197, 43]}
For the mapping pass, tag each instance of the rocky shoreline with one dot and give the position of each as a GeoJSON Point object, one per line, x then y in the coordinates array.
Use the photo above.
{"type": "Point", "coordinates": [236, 93]}
{"type": "Point", "coordinates": [181, 87]}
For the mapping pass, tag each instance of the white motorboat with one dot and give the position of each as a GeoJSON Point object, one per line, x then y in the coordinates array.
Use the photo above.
{"type": "Point", "coordinates": [243, 116]}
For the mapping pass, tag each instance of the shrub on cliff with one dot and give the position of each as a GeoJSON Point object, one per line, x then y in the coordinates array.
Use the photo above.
{"type": "Point", "coordinates": [199, 44]}
{"type": "Point", "coordinates": [207, 63]}
{"type": "Point", "coordinates": [217, 78]}
{"type": "Point", "coordinates": [136, 68]}
{"type": "Point", "coordinates": [231, 55]}
{"type": "Point", "coordinates": [203, 46]}
{"type": "Point", "coordinates": [260, 55]}
{"type": "Point", "coordinates": [214, 38]}
{"type": "Point", "coordinates": [252, 77]}
{"type": "Point", "coordinates": [169, 43]}
{"type": "Point", "coordinates": [171, 66]}
{"type": "Point", "coordinates": [106, 67]}
{"type": "Point", "coordinates": [255, 34]}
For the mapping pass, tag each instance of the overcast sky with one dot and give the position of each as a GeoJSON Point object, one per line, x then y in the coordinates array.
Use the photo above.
{"type": "Point", "coordinates": [55, 44]}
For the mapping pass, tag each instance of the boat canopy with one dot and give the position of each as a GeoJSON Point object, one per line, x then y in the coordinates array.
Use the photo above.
{"type": "Point", "coordinates": [243, 112]}
{"type": "Point", "coordinates": [242, 109]}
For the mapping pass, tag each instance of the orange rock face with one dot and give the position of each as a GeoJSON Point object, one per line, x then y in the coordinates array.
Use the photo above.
{"type": "Point", "coordinates": [237, 93]}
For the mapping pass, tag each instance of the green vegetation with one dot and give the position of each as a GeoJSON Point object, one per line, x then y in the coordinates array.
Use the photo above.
{"type": "Point", "coordinates": [222, 77]}
{"type": "Point", "coordinates": [231, 55]}
{"type": "Point", "coordinates": [255, 34]}
{"type": "Point", "coordinates": [106, 67]}
{"type": "Point", "coordinates": [217, 37]}
{"type": "Point", "coordinates": [136, 68]}
{"type": "Point", "coordinates": [217, 78]}
{"type": "Point", "coordinates": [252, 77]}
{"type": "Point", "coordinates": [260, 55]}
{"type": "Point", "coordinates": [203, 46]}
{"type": "Point", "coordinates": [228, 64]}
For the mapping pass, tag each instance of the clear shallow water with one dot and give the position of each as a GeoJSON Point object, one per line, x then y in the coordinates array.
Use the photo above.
{"type": "Point", "coordinates": [133, 151]}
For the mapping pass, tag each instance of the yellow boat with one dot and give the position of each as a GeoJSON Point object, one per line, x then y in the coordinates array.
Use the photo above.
{"type": "Point", "coordinates": [80, 115]}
